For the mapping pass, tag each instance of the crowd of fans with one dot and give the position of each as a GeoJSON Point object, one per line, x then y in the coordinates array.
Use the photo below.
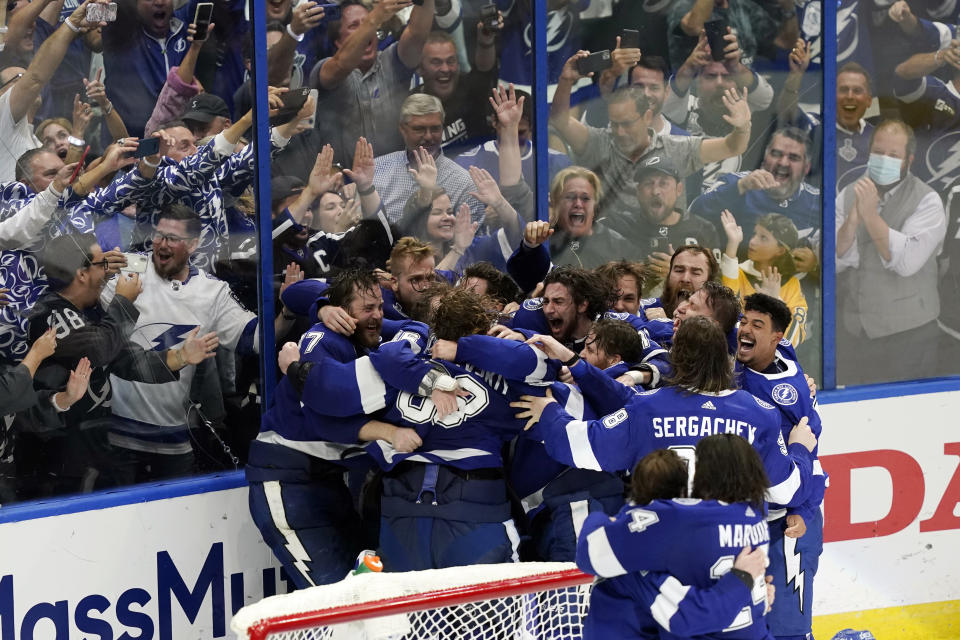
{"type": "Point", "coordinates": [684, 179]}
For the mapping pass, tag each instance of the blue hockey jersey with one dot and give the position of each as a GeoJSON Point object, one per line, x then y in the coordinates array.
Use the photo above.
{"type": "Point", "coordinates": [932, 108]}
{"type": "Point", "coordinates": [803, 207]}
{"type": "Point", "coordinates": [783, 385]}
{"type": "Point", "coordinates": [674, 418]}
{"type": "Point", "coordinates": [343, 383]}
{"type": "Point", "coordinates": [644, 538]}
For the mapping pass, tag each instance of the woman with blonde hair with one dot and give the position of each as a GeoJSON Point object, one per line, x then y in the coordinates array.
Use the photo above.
{"type": "Point", "coordinates": [579, 239]}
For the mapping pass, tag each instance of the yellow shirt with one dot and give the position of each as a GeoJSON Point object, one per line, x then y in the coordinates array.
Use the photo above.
{"type": "Point", "coordinates": [737, 277]}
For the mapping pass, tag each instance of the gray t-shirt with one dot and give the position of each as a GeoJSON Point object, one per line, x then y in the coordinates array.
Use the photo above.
{"type": "Point", "coordinates": [364, 104]}
{"type": "Point", "coordinates": [618, 172]}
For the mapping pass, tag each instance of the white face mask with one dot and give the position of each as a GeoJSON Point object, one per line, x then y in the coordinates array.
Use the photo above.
{"type": "Point", "coordinates": [884, 170]}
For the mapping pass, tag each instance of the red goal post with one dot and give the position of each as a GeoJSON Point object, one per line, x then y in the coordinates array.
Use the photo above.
{"type": "Point", "coordinates": [511, 600]}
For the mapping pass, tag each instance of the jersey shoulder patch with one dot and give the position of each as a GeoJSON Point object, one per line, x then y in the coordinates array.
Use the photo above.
{"type": "Point", "coordinates": [765, 405]}
{"type": "Point", "coordinates": [614, 419]}
{"type": "Point", "coordinates": [533, 304]}
{"type": "Point", "coordinates": [785, 343]}
{"type": "Point", "coordinates": [785, 394]}
{"type": "Point", "coordinates": [616, 315]}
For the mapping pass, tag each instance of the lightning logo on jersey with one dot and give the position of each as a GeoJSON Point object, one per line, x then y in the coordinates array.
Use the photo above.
{"type": "Point", "coordinates": [559, 24]}
{"type": "Point", "coordinates": [848, 23]}
{"type": "Point", "coordinates": [165, 335]}
{"type": "Point", "coordinates": [946, 169]}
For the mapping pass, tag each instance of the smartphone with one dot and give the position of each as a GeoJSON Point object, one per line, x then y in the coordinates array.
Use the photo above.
{"type": "Point", "coordinates": [84, 98]}
{"type": "Point", "coordinates": [79, 167]}
{"type": "Point", "coordinates": [102, 12]}
{"type": "Point", "coordinates": [315, 94]}
{"type": "Point", "coordinates": [136, 263]}
{"type": "Point", "coordinates": [292, 102]}
{"type": "Point", "coordinates": [716, 29]}
{"type": "Point", "coordinates": [489, 16]}
{"type": "Point", "coordinates": [201, 20]}
{"type": "Point", "coordinates": [597, 61]}
{"type": "Point", "coordinates": [330, 12]}
{"type": "Point", "coordinates": [629, 39]}
{"type": "Point", "coordinates": [147, 147]}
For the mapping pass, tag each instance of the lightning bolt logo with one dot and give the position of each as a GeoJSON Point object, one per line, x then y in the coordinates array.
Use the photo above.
{"type": "Point", "coordinates": [794, 574]}
{"type": "Point", "coordinates": [559, 24]}
{"type": "Point", "coordinates": [847, 19]}
{"type": "Point", "coordinates": [951, 162]}
{"type": "Point", "coordinates": [271, 490]}
{"type": "Point", "coordinates": [169, 338]}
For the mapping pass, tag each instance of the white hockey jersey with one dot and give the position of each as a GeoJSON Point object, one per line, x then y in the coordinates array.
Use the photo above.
{"type": "Point", "coordinates": [153, 417]}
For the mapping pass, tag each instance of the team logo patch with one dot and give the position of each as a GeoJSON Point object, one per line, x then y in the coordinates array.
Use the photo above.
{"type": "Point", "coordinates": [763, 404]}
{"type": "Point", "coordinates": [785, 343]}
{"type": "Point", "coordinates": [785, 394]}
{"type": "Point", "coordinates": [616, 315]}
{"type": "Point", "coordinates": [533, 304]}
{"type": "Point", "coordinates": [615, 418]}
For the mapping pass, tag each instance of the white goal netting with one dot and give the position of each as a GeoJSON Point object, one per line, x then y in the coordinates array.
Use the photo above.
{"type": "Point", "coordinates": [522, 601]}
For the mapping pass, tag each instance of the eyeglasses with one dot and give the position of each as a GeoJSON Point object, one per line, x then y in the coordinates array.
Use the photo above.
{"type": "Point", "coordinates": [170, 238]}
{"type": "Point", "coordinates": [573, 197]}
{"type": "Point", "coordinates": [13, 79]}
{"type": "Point", "coordinates": [99, 263]}
{"type": "Point", "coordinates": [420, 283]}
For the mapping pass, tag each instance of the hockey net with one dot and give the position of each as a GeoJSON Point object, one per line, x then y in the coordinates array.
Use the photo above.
{"type": "Point", "coordinates": [522, 601]}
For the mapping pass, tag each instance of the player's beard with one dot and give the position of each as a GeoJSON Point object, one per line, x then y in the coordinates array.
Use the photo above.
{"type": "Point", "coordinates": [670, 299]}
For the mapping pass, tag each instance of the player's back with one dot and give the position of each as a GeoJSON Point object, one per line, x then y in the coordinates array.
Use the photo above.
{"type": "Point", "coordinates": [675, 418]}
{"type": "Point", "coordinates": [468, 438]}
{"type": "Point", "coordinates": [645, 538]}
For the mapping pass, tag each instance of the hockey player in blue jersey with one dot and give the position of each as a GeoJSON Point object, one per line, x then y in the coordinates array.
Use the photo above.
{"type": "Point", "coordinates": [572, 299]}
{"type": "Point", "coordinates": [713, 300]}
{"type": "Point", "coordinates": [698, 400]}
{"type": "Point", "coordinates": [298, 497]}
{"type": "Point", "coordinates": [639, 604]}
{"type": "Point", "coordinates": [767, 367]}
{"type": "Point", "coordinates": [555, 497]}
{"type": "Point", "coordinates": [445, 504]}
{"type": "Point", "coordinates": [724, 516]}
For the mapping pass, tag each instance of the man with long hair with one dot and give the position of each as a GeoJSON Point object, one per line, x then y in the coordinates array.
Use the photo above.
{"type": "Point", "coordinates": [696, 401]}
{"type": "Point", "coordinates": [631, 604]}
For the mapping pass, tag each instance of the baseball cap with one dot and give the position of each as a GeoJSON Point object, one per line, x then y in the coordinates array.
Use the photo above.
{"type": "Point", "coordinates": [204, 107]}
{"type": "Point", "coordinates": [782, 228]}
{"type": "Point", "coordinates": [661, 164]}
{"type": "Point", "coordinates": [282, 187]}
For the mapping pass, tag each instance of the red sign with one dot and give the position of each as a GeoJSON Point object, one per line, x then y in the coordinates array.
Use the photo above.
{"type": "Point", "coordinates": [909, 490]}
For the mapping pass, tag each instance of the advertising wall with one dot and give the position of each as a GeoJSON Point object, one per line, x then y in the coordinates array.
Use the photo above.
{"type": "Point", "coordinates": [178, 568]}
{"type": "Point", "coordinates": [173, 569]}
